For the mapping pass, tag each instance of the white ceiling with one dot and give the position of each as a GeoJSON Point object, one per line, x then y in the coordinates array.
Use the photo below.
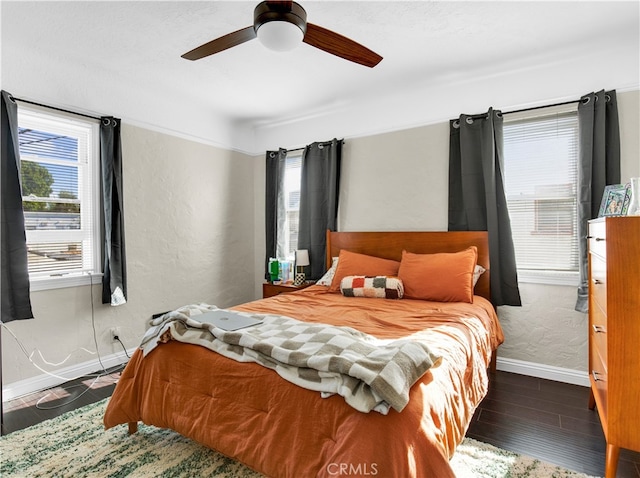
{"type": "Point", "coordinates": [247, 92]}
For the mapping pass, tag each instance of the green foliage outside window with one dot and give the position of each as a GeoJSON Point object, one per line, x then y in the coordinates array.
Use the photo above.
{"type": "Point", "coordinates": [37, 181]}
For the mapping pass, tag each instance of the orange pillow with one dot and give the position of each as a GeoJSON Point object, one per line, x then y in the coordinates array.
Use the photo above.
{"type": "Point", "coordinates": [354, 264]}
{"type": "Point", "coordinates": [442, 277]}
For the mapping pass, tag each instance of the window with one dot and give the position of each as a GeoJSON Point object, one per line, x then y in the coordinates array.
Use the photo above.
{"type": "Point", "coordinates": [288, 218]}
{"type": "Point", "coordinates": [59, 169]}
{"type": "Point", "coordinates": [541, 157]}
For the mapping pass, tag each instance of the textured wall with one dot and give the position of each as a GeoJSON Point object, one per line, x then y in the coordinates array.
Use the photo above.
{"type": "Point", "coordinates": [396, 181]}
{"type": "Point", "coordinates": [546, 329]}
{"type": "Point", "coordinates": [189, 225]}
{"type": "Point", "coordinates": [399, 181]}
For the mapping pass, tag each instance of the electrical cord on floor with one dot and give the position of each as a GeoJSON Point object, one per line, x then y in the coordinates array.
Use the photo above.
{"type": "Point", "coordinates": [66, 389]}
{"type": "Point", "coordinates": [102, 373]}
{"type": "Point", "coordinates": [30, 357]}
{"type": "Point", "coordinates": [97, 375]}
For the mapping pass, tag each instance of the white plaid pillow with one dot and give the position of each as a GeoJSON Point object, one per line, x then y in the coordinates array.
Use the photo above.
{"type": "Point", "coordinates": [382, 287]}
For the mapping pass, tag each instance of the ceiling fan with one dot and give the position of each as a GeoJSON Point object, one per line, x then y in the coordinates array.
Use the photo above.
{"type": "Point", "coordinates": [282, 26]}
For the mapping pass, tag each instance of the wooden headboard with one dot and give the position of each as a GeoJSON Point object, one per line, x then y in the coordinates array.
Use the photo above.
{"type": "Point", "coordinates": [390, 245]}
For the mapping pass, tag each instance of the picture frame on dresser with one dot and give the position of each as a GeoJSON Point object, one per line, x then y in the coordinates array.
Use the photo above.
{"type": "Point", "coordinates": [615, 200]}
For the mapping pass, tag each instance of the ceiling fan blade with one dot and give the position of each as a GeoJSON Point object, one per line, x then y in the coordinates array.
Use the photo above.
{"type": "Point", "coordinates": [339, 45]}
{"type": "Point", "coordinates": [222, 43]}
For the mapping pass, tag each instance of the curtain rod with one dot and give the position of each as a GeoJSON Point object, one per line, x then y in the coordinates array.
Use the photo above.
{"type": "Point", "coordinates": [322, 143]}
{"type": "Point", "coordinates": [484, 115]}
{"type": "Point", "coordinates": [55, 108]}
{"type": "Point", "coordinates": [540, 107]}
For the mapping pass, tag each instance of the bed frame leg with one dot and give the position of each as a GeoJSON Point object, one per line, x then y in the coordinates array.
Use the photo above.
{"type": "Point", "coordinates": [493, 365]}
{"type": "Point", "coordinates": [133, 427]}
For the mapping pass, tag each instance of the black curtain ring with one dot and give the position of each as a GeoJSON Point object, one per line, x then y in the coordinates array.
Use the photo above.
{"type": "Point", "coordinates": [499, 114]}
{"type": "Point", "coordinates": [106, 121]}
{"type": "Point", "coordinates": [469, 120]}
{"type": "Point", "coordinates": [272, 154]}
{"type": "Point", "coordinates": [456, 124]}
{"type": "Point", "coordinates": [586, 100]}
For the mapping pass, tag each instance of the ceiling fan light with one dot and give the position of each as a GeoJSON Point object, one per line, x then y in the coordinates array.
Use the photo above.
{"type": "Point", "coordinates": [280, 35]}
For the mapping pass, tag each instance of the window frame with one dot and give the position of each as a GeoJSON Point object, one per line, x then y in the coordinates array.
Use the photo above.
{"type": "Point", "coordinates": [548, 277]}
{"type": "Point", "coordinates": [284, 234]}
{"type": "Point", "coordinates": [44, 119]}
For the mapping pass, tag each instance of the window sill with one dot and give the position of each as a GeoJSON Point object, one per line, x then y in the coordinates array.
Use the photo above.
{"type": "Point", "coordinates": [71, 280]}
{"type": "Point", "coordinates": [549, 277]}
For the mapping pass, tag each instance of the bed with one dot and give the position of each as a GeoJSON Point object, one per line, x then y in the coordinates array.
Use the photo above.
{"type": "Point", "coordinates": [249, 413]}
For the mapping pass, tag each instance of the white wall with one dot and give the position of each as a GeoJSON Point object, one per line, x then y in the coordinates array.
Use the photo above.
{"type": "Point", "coordinates": [189, 226]}
{"type": "Point", "coordinates": [396, 181]}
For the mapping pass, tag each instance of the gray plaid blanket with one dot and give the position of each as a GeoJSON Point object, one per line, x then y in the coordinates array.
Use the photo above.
{"type": "Point", "coordinates": [370, 373]}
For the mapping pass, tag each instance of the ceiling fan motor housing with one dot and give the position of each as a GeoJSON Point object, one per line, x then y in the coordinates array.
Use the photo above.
{"type": "Point", "coordinates": [290, 12]}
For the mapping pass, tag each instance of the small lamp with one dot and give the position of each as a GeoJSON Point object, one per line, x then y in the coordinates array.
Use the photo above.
{"type": "Point", "coordinates": [302, 260]}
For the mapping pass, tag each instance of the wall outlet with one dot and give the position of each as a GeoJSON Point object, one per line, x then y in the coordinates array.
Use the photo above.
{"type": "Point", "coordinates": [115, 334]}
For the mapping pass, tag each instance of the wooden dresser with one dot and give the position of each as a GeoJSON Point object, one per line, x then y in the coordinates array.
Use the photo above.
{"type": "Point", "coordinates": [614, 332]}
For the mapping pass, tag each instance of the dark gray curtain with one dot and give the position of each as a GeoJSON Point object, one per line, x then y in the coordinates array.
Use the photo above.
{"type": "Point", "coordinates": [319, 190]}
{"type": "Point", "coordinates": [598, 166]}
{"type": "Point", "coordinates": [275, 164]}
{"type": "Point", "coordinates": [114, 280]}
{"type": "Point", "coordinates": [477, 199]}
{"type": "Point", "coordinates": [16, 303]}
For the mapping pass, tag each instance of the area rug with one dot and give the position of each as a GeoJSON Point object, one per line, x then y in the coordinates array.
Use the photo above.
{"type": "Point", "coordinates": [76, 445]}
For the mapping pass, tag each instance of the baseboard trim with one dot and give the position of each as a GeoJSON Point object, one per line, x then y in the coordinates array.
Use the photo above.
{"type": "Point", "coordinates": [42, 382]}
{"type": "Point", "coordinates": [539, 370]}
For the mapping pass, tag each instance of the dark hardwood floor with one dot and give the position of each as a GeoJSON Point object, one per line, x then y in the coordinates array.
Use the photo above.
{"type": "Point", "coordinates": [547, 420]}
{"type": "Point", "coordinates": [540, 418]}
{"type": "Point", "coordinates": [37, 407]}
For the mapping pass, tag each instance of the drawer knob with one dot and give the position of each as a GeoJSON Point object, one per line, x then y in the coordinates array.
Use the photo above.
{"type": "Point", "coordinates": [597, 281]}
{"type": "Point", "coordinates": [598, 239]}
{"type": "Point", "coordinates": [596, 376]}
{"type": "Point", "coordinates": [599, 329]}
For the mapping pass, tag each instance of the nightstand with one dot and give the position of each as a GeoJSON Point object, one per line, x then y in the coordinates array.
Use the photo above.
{"type": "Point", "coordinates": [269, 289]}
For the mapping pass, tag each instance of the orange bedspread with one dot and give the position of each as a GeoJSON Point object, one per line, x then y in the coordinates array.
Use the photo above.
{"type": "Point", "coordinates": [249, 413]}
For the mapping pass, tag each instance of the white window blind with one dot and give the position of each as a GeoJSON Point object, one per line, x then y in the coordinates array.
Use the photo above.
{"type": "Point", "coordinates": [541, 156]}
{"type": "Point", "coordinates": [59, 175]}
{"type": "Point", "coordinates": [288, 218]}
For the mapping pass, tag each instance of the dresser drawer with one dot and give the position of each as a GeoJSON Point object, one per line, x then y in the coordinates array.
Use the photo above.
{"type": "Point", "coordinates": [598, 238]}
{"type": "Point", "coordinates": [598, 333]}
{"type": "Point", "coordinates": [598, 378]}
{"type": "Point", "coordinates": [598, 282]}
